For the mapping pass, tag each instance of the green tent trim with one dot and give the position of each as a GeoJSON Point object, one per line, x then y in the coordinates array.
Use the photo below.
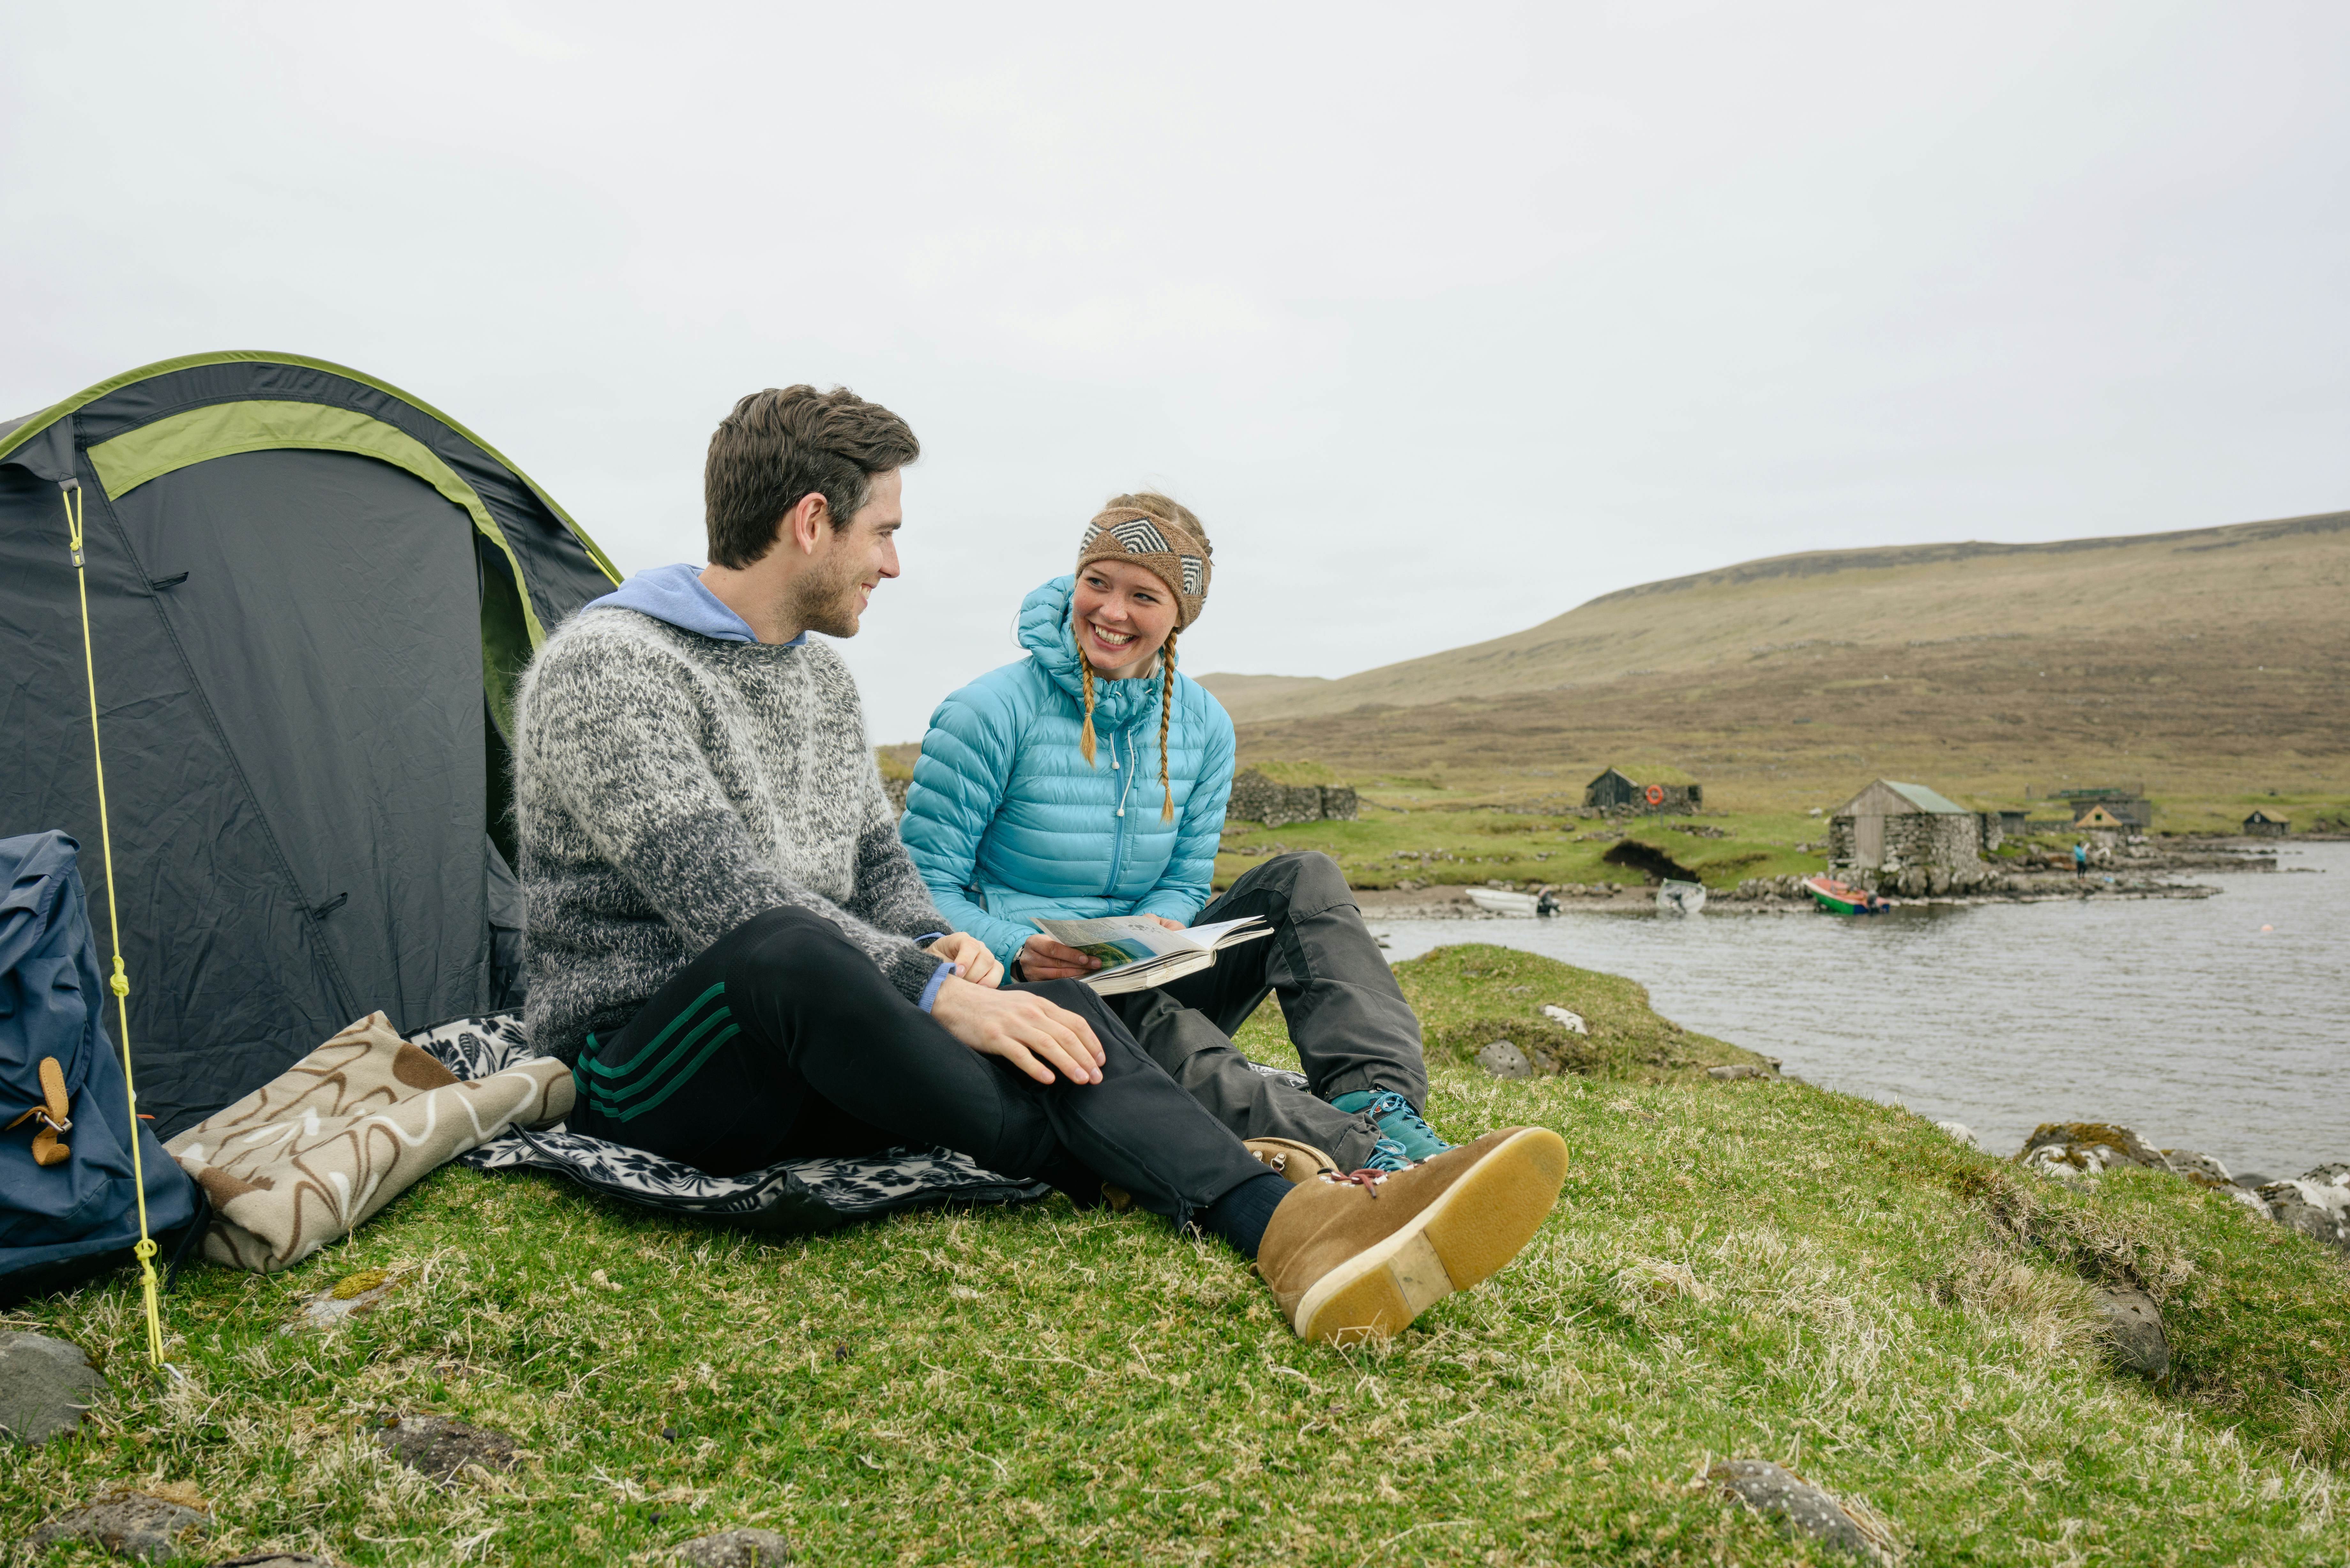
{"type": "Point", "coordinates": [511, 631]}
{"type": "Point", "coordinates": [57, 411]}
{"type": "Point", "coordinates": [225, 430]}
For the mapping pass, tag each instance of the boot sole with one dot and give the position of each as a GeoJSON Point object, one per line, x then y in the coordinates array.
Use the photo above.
{"type": "Point", "coordinates": [1474, 1231]}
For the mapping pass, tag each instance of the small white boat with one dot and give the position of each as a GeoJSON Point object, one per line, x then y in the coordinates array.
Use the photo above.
{"type": "Point", "coordinates": [1680, 897]}
{"type": "Point", "coordinates": [1504, 903]}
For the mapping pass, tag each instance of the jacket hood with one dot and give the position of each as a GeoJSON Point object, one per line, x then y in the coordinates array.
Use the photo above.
{"type": "Point", "coordinates": [676, 595]}
{"type": "Point", "coordinates": [1046, 632]}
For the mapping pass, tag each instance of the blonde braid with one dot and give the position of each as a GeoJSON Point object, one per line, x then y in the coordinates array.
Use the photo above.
{"type": "Point", "coordinates": [1085, 675]}
{"type": "Point", "coordinates": [1166, 710]}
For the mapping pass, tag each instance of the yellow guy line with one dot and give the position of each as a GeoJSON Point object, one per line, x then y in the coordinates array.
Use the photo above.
{"type": "Point", "coordinates": [120, 984]}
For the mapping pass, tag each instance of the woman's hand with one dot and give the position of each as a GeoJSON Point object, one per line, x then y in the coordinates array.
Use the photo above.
{"type": "Point", "coordinates": [1170, 925]}
{"type": "Point", "coordinates": [1042, 957]}
{"type": "Point", "coordinates": [971, 957]}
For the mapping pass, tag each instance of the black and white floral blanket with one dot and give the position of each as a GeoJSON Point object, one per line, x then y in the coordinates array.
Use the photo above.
{"type": "Point", "coordinates": [797, 1196]}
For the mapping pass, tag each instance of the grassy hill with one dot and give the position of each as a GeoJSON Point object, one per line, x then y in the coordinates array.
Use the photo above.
{"type": "Point", "coordinates": [1735, 1268]}
{"type": "Point", "coordinates": [2212, 666]}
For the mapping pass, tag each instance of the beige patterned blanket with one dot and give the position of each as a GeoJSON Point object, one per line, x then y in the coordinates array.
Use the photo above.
{"type": "Point", "coordinates": [309, 1156]}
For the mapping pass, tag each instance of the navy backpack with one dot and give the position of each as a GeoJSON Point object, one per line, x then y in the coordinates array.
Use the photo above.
{"type": "Point", "coordinates": [68, 1203]}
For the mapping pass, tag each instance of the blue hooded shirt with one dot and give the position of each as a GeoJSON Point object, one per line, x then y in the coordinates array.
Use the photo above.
{"type": "Point", "coordinates": [678, 596]}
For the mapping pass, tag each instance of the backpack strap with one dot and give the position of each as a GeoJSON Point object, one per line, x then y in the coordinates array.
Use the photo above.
{"type": "Point", "coordinates": [49, 1116]}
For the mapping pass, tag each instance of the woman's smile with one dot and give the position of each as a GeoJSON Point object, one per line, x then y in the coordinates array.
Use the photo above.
{"type": "Point", "coordinates": [1109, 640]}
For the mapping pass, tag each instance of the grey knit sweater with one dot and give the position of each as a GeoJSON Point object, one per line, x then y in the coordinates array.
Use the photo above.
{"type": "Point", "coordinates": [670, 786]}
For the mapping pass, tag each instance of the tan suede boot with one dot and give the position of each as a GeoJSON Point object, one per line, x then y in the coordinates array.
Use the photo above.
{"type": "Point", "coordinates": [1357, 1258]}
{"type": "Point", "coordinates": [1291, 1161]}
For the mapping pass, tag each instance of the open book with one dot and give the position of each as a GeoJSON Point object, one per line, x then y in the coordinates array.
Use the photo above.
{"type": "Point", "coordinates": [1137, 952]}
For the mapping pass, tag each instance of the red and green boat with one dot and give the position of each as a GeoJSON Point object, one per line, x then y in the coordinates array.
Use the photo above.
{"type": "Point", "coordinates": [1837, 898]}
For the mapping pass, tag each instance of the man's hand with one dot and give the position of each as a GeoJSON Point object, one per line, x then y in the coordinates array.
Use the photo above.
{"type": "Point", "coordinates": [1022, 1028]}
{"type": "Point", "coordinates": [975, 962]}
{"type": "Point", "coordinates": [1042, 957]}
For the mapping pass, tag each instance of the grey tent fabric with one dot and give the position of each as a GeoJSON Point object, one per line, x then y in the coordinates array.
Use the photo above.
{"type": "Point", "coordinates": [797, 1196]}
{"type": "Point", "coordinates": [301, 645]}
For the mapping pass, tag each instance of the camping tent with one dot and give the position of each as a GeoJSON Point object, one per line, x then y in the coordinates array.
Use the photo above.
{"type": "Point", "coordinates": [309, 595]}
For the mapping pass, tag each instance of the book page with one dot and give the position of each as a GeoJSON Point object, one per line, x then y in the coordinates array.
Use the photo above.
{"type": "Point", "coordinates": [1127, 941]}
{"type": "Point", "coordinates": [1121, 940]}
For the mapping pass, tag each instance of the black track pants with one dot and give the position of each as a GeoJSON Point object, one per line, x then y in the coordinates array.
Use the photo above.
{"type": "Point", "coordinates": [782, 1041]}
{"type": "Point", "coordinates": [1347, 1016]}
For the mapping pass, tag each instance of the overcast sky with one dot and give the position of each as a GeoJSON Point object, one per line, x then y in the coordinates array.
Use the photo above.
{"type": "Point", "coordinates": [1443, 322]}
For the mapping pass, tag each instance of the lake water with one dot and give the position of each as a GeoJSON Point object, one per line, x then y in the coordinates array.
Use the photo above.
{"type": "Point", "coordinates": [2221, 1024]}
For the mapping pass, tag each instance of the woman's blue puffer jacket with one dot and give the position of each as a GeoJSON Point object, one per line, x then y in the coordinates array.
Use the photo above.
{"type": "Point", "coordinates": [1006, 821]}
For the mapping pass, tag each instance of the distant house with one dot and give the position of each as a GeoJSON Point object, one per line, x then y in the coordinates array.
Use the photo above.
{"type": "Point", "coordinates": [2098, 816]}
{"type": "Point", "coordinates": [1658, 790]}
{"type": "Point", "coordinates": [1915, 839]}
{"type": "Point", "coordinates": [2130, 808]}
{"type": "Point", "coordinates": [2268, 824]}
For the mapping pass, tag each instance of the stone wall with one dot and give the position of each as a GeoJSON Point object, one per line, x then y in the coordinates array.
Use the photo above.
{"type": "Point", "coordinates": [1256, 798]}
{"type": "Point", "coordinates": [1925, 852]}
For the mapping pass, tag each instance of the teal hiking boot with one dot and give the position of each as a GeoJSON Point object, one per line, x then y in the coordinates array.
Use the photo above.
{"type": "Point", "coordinates": [1398, 1122]}
{"type": "Point", "coordinates": [1389, 1155]}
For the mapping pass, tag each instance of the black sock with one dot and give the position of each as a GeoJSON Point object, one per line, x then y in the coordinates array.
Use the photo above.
{"type": "Point", "coordinates": [1241, 1215]}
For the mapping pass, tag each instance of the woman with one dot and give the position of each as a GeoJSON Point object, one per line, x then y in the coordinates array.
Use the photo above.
{"type": "Point", "coordinates": [1089, 779]}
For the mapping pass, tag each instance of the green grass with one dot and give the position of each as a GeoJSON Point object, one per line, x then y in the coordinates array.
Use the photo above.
{"type": "Point", "coordinates": [1389, 846]}
{"type": "Point", "coordinates": [1749, 1269]}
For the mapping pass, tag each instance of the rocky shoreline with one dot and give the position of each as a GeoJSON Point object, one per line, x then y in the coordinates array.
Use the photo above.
{"type": "Point", "coordinates": [1759, 896]}
{"type": "Point", "coordinates": [2316, 1203]}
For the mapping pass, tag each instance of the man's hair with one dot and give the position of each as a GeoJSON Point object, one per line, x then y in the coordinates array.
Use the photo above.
{"type": "Point", "coordinates": [787, 443]}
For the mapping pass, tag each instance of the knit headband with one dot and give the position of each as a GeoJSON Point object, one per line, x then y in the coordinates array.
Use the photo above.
{"type": "Point", "coordinates": [1167, 549]}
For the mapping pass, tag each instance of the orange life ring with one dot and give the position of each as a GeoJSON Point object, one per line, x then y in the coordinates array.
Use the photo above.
{"type": "Point", "coordinates": [1656, 794]}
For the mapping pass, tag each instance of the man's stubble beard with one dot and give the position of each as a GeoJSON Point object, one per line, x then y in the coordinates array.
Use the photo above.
{"type": "Point", "coordinates": [827, 602]}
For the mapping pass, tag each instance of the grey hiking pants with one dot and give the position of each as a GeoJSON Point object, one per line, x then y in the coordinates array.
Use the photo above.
{"type": "Point", "coordinates": [1346, 1015]}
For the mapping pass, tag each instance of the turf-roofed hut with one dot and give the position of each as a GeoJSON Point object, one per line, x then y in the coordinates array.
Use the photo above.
{"type": "Point", "coordinates": [310, 597]}
{"type": "Point", "coordinates": [1643, 790]}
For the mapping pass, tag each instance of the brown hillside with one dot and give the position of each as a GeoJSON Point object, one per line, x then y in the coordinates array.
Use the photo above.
{"type": "Point", "coordinates": [2212, 663]}
{"type": "Point", "coordinates": [2294, 575]}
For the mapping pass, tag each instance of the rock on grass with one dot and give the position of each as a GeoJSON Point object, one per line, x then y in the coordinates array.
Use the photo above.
{"type": "Point", "coordinates": [129, 1524]}
{"type": "Point", "coordinates": [2133, 1329]}
{"type": "Point", "coordinates": [1800, 1508]}
{"type": "Point", "coordinates": [2086, 1148]}
{"type": "Point", "coordinates": [2316, 1204]}
{"type": "Point", "coordinates": [1503, 1060]}
{"type": "Point", "coordinates": [737, 1548]}
{"type": "Point", "coordinates": [46, 1386]}
{"type": "Point", "coordinates": [441, 1446]}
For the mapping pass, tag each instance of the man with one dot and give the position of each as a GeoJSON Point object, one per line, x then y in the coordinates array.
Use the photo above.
{"type": "Point", "coordinates": [730, 946]}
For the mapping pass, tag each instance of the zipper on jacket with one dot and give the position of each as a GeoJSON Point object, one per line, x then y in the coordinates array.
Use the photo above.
{"type": "Point", "coordinates": [1117, 839]}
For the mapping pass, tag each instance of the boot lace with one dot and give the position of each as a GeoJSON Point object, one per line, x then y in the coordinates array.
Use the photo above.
{"type": "Point", "coordinates": [1392, 1106]}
